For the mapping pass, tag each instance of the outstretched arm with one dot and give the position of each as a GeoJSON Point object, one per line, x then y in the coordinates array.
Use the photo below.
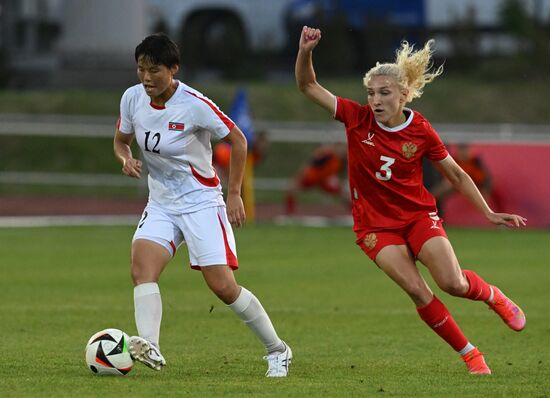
{"type": "Point", "coordinates": [463, 183]}
{"type": "Point", "coordinates": [305, 74]}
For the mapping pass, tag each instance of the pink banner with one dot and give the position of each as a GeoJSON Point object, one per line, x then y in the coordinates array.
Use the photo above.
{"type": "Point", "coordinates": [520, 174]}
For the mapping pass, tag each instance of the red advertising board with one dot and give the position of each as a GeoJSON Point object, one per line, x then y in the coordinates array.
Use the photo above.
{"type": "Point", "coordinates": [520, 174]}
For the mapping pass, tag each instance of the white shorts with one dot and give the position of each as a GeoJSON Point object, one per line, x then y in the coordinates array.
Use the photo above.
{"type": "Point", "coordinates": [207, 232]}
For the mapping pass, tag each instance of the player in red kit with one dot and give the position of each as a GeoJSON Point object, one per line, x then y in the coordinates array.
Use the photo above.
{"type": "Point", "coordinates": [395, 217]}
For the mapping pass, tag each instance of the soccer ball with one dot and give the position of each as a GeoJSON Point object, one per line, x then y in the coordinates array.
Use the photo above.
{"type": "Point", "coordinates": [107, 353]}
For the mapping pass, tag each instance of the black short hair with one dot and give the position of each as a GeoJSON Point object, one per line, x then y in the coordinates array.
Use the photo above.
{"type": "Point", "coordinates": [159, 49]}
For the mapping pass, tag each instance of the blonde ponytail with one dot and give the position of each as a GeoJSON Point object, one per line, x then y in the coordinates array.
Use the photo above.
{"type": "Point", "coordinates": [410, 70]}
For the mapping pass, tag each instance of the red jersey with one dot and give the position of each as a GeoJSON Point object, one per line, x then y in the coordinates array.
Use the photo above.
{"type": "Point", "coordinates": [385, 167]}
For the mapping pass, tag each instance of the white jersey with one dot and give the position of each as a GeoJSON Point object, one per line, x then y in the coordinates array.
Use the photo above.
{"type": "Point", "coordinates": [175, 141]}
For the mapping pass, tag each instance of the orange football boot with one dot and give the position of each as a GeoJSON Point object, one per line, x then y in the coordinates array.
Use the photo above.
{"type": "Point", "coordinates": [510, 313]}
{"type": "Point", "coordinates": [476, 363]}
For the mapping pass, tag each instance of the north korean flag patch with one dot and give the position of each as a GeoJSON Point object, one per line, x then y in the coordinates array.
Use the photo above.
{"type": "Point", "coordinates": [175, 126]}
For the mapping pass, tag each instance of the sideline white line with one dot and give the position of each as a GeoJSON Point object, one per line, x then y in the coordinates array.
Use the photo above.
{"type": "Point", "coordinates": [110, 180]}
{"type": "Point", "coordinates": [314, 221]}
{"type": "Point", "coordinates": [27, 124]}
{"type": "Point", "coordinates": [114, 220]}
{"type": "Point", "coordinates": [63, 221]}
{"type": "Point", "coordinates": [72, 179]}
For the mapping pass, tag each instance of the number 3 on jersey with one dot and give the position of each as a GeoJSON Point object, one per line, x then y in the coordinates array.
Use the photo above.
{"type": "Point", "coordinates": [155, 140]}
{"type": "Point", "coordinates": [385, 172]}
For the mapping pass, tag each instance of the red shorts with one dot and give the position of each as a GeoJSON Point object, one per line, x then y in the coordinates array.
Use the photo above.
{"type": "Point", "coordinates": [413, 235]}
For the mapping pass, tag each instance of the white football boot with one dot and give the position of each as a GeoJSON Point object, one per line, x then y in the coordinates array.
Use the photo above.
{"type": "Point", "coordinates": [145, 352]}
{"type": "Point", "coordinates": [279, 362]}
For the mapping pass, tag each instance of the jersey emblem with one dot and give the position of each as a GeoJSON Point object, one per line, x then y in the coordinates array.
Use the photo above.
{"type": "Point", "coordinates": [409, 149]}
{"type": "Point", "coordinates": [369, 139]}
{"type": "Point", "coordinates": [175, 126]}
{"type": "Point", "coordinates": [433, 215]}
{"type": "Point", "coordinates": [434, 225]}
{"type": "Point", "coordinates": [370, 241]}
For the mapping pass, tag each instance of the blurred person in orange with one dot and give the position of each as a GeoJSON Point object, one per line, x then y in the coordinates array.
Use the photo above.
{"type": "Point", "coordinates": [221, 154]}
{"type": "Point", "coordinates": [475, 167]}
{"type": "Point", "coordinates": [325, 170]}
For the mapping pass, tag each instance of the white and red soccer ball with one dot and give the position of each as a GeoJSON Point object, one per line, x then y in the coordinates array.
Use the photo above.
{"type": "Point", "coordinates": [107, 353]}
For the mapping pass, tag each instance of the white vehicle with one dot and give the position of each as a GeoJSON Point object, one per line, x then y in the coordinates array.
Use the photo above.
{"type": "Point", "coordinates": [217, 32]}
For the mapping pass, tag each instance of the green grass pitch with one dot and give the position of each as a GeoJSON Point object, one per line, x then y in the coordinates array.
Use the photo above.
{"type": "Point", "coordinates": [353, 332]}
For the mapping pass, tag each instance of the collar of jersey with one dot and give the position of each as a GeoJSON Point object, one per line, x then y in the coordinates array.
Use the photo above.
{"type": "Point", "coordinates": [401, 126]}
{"type": "Point", "coordinates": [170, 99]}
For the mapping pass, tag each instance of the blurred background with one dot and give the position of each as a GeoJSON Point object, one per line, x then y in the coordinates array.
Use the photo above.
{"type": "Point", "coordinates": [64, 65]}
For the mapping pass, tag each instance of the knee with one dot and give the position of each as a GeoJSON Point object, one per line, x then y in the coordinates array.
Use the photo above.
{"type": "Point", "coordinates": [419, 292]}
{"type": "Point", "coordinates": [227, 291]}
{"type": "Point", "coordinates": [454, 286]}
{"type": "Point", "coordinates": [140, 273]}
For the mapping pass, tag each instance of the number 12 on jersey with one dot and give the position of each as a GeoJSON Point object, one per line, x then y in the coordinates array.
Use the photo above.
{"type": "Point", "coordinates": [155, 140]}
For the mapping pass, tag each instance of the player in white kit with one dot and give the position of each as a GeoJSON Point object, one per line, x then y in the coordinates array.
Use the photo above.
{"type": "Point", "coordinates": [172, 124]}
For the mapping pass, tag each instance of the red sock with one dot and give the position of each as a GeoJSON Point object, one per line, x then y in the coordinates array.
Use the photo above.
{"type": "Point", "coordinates": [290, 204]}
{"type": "Point", "coordinates": [437, 316]}
{"type": "Point", "coordinates": [479, 289]}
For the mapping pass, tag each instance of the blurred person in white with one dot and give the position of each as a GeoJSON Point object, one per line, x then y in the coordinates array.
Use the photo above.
{"type": "Point", "coordinates": [173, 124]}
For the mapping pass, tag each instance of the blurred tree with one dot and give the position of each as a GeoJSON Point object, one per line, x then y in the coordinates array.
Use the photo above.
{"type": "Point", "coordinates": [514, 18]}
{"type": "Point", "coordinates": [533, 34]}
{"type": "Point", "coordinates": [466, 40]}
{"type": "Point", "coordinates": [4, 68]}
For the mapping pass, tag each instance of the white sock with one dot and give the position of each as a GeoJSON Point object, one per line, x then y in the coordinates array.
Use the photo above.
{"type": "Point", "coordinates": [250, 310]}
{"type": "Point", "coordinates": [469, 347]}
{"type": "Point", "coordinates": [148, 311]}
